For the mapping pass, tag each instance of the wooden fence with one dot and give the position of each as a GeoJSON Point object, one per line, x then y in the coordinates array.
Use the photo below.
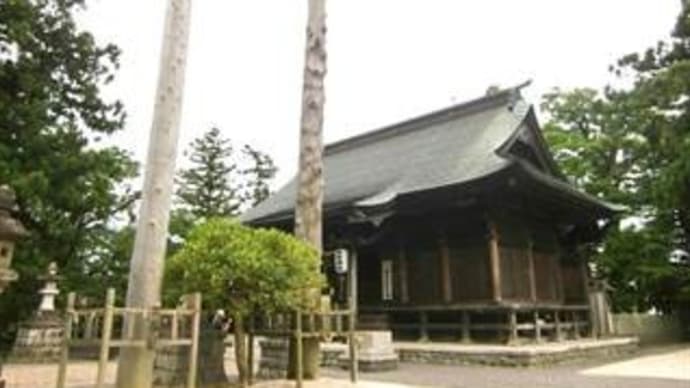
{"type": "Point", "coordinates": [299, 325]}
{"type": "Point", "coordinates": [139, 327]}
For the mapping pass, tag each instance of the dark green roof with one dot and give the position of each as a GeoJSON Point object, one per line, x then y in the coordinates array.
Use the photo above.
{"type": "Point", "coordinates": [449, 147]}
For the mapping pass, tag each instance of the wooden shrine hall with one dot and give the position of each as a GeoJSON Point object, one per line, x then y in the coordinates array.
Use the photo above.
{"type": "Point", "coordinates": [459, 225]}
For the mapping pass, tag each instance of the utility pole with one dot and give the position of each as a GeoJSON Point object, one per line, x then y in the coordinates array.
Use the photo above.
{"type": "Point", "coordinates": [135, 367]}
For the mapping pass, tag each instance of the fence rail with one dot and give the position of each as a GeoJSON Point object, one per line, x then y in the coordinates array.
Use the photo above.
{"type": "Point", "coordinates": [300, 325]}
{"type": "Point", "coordinates": [139, 327]}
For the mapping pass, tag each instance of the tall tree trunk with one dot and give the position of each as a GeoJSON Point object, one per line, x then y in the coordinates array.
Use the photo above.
{"type": "Point", "coordinates": [308, 223]}
{"type": "Point", "coordinates": [144, 288]}
{"type": "Point", "coordinates": [241, 351]}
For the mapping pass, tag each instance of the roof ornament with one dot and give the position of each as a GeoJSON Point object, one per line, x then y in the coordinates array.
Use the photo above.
{"type": "Point", "coordinates": [492, 90]}
{"type": "Point", "coordinates": [516, 103]}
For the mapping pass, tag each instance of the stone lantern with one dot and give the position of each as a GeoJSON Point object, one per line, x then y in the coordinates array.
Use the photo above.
{"type": "Point", "coordinates": [10, 231]}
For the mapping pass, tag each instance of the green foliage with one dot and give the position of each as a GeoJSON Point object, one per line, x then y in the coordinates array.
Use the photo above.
{"type": "Point", "coordinates": [219, 184]}
{"type": "Point", "coordinates": [258, 175]}
{"type": "Point", "coordinates": [632, 146]}
{"type": "Point", "coordinates": [243, 269]}
{"type": "Point", "coordinates": [52, 116]}
{"type": "Point", "coordinates": [206, 189]}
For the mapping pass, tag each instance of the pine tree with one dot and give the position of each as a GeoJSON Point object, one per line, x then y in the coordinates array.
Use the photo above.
{"type": "Point", "coordinates": [258, 175]}
{"type": "Point", "coordinates": [210, 187]}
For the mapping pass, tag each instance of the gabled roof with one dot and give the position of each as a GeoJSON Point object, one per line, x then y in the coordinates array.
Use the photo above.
{"type": "Point", "coordinates": [448, 147]}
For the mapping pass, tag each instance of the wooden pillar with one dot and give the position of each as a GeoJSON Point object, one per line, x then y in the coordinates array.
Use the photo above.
{"type": "Point", "coordinates": [423, 329]}
{"type": "Point", "coordinates": [299, 349]}
{"type": "Point", "coordinates": [352, 346]}
{"type": "Point", "coordinates": [512, 323]}
{"type": "Point", "coordinates": [402, 271]}
{"type": "Point", "coordinates": [557, 323]}
{"type": "Point", "coordinates": [531, 271]}
{"type": "Point", "coordinates": [66, 338]}
{"type": "Point", "coordinates": [105, 337]}
{"type": "Point", "coordinates": [576, 324]}
{"type": "Point", "coordinates": [466, 327]}
{"type": "Point", "coordinates": [560, 291]}
{"type": "Point", "coordinates": [537, 326]}
{"type": "Point", "coordinates": [444, 265]}
{"type": "Point", "coordinates": [194, 302]}
{"type": "Point", "coordinates": [585, 278]}
{"type": "Point", "coordinates": [352, 297]}
{"type": "Point", "coordinates": [494, 262]}
{"type": "Point", "coordinates": [591, 329]}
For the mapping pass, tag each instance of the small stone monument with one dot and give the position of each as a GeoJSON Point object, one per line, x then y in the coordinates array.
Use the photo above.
{"type": "Point", "coordinates": [39, 339]}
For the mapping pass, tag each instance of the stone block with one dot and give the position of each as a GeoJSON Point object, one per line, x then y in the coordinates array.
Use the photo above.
{"type": "Point", "coordinates": [375, 352]}
{"type": "Point", "coordinates": [331, 354]}
{"type": "Point", "coordinates": [38, 340]}
{"type": "Point", "coordinates": [274, 358]}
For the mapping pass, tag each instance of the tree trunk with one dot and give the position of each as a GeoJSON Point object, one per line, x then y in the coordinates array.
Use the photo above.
{"type": "Point", "coordinates": [211, 366]}
{"type": "Point", "coordinates": [144, 288]}
{"type": "Point", "coordinates": [241, 351]}
{"type": "Point", "coordinates": [310, 176]}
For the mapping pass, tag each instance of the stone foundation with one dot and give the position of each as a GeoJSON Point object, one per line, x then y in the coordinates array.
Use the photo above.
{"type": "Point", "coordinates": [331, 354]}
{"type": "Point", "coordinates": [274, 358]}
{"type": "Point", "coordinates": [517, 356]}
{"type": "Point", "coordinates": [172, 363]}
{"type": "Point", "coordinates": [39, 340]}
{"type": "Point", "coordinates": [375, 352]}
{"type": "Point", "coordinates": [170, 367]}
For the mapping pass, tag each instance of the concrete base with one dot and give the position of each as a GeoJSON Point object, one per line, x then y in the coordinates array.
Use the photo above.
{"type": "Point", "coordinates": [331, 353]}
{"type": "Point", "coordinates": [375, 352]}
{"type": "Point", "coordinates": [39, 340]}
{"type": "Point", "coordinates": [520, 356]}
{"type": "Point", "coordinates": [274, 358]}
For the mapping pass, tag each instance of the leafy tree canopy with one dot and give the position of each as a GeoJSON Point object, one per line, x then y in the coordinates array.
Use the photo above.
{"type": "Point", "coordinates": [52, 115]}
{"type": "Point", "coordinates": [632, 146]}
{"type": "Point", "coordinates": [243, 269]}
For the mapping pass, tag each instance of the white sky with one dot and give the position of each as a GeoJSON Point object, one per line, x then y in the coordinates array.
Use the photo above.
{"type": "Point", "coordinates": [388, 59]}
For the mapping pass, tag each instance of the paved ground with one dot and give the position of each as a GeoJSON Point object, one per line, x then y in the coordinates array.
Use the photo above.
{"type": "Point", "coordinates": [667, 367]}
{"type": "Point", "coordinates": [672, 365]}
{"type": "Point", "coordinates": [647, 365]}
{"type": "Point", "coordinates": [83, 375]}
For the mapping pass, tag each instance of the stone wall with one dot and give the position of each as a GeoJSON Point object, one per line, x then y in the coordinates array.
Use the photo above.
{"type": "Point", "coordinates": [274, 358]}
{"type": "Point", "coordinates": [648, 328]}
{"type": "Point", "coordinates": [516, 356]}
{"type": "Point", "coordinates": [331, 354]}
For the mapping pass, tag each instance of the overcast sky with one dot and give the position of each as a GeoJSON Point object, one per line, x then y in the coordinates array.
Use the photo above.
{"type": "Point", "coordinates": [387, 59]}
